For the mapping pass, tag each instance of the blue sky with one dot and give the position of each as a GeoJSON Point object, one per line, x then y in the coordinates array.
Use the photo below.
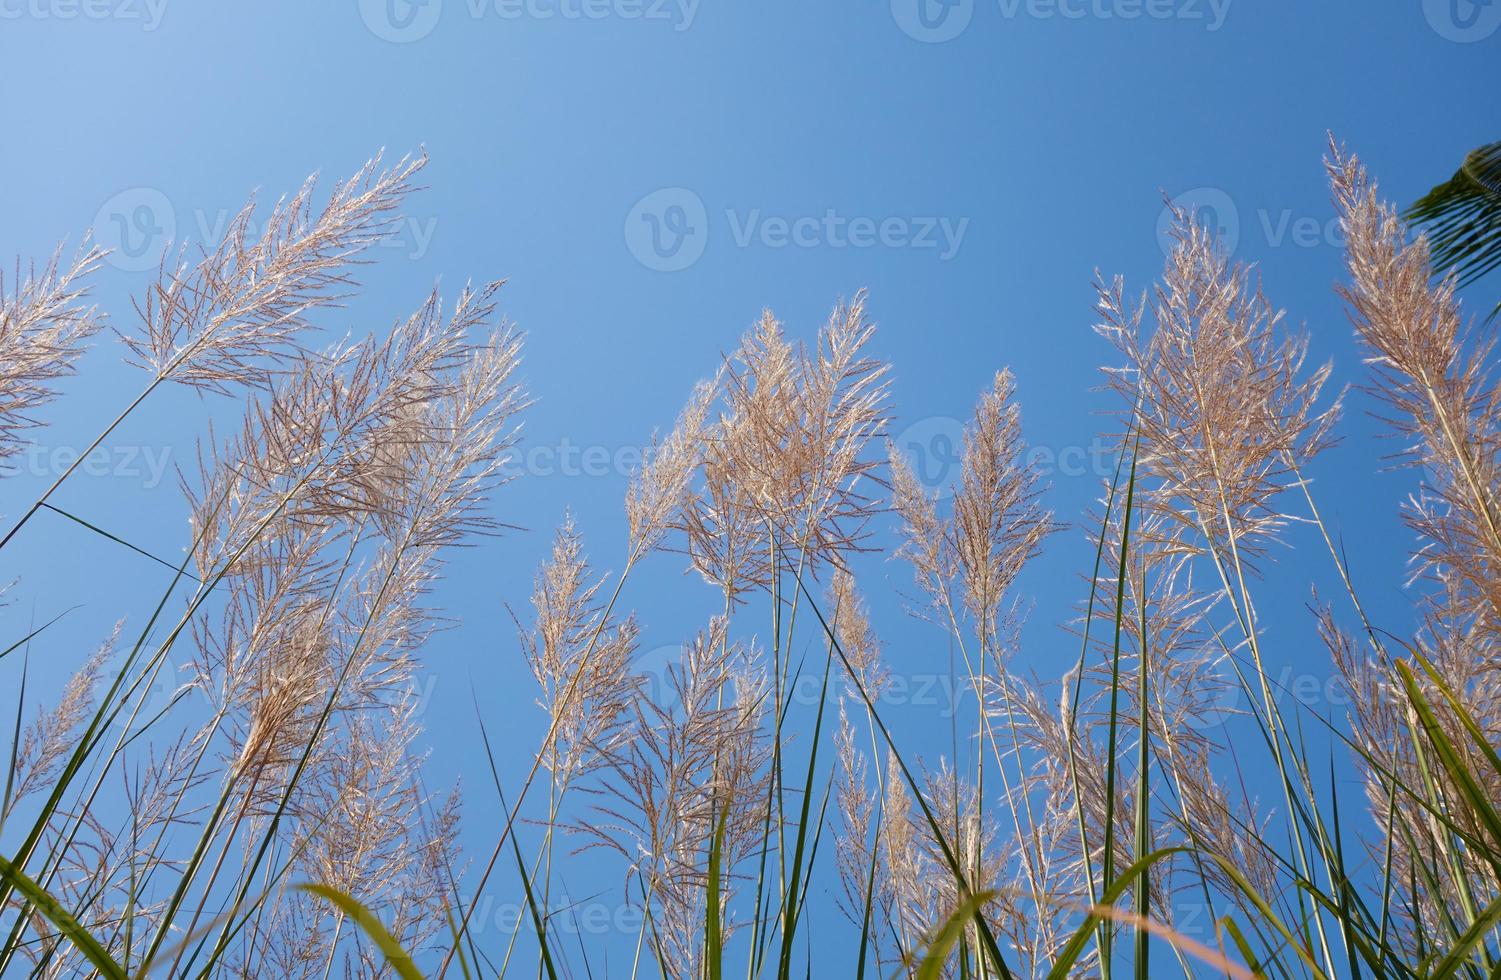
{"type": "Point", "coordinates": [649, 175]}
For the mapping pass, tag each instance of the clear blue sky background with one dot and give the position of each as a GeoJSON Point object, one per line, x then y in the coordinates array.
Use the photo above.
{"type": "Point", "coordinates": [1048, 138]}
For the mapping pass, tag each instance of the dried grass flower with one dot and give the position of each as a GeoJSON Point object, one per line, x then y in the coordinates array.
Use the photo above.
{"type": "Point", "coordinates": [43, 325]}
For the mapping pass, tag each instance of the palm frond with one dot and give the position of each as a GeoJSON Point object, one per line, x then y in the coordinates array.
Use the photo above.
{"type": "Point", "coordinates": [1462, 218]}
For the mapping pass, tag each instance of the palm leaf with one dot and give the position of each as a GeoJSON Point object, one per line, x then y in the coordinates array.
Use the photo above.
{"type": "Point", "coordinates": [1462, 217]}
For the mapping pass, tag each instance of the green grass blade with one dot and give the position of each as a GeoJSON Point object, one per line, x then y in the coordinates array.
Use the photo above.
{"type": "Point", "coordinates": [1068, 957]}
{"type": "Point", "coordinates": [1473, 936]}
{"type": "Point", "coordinates": [53, 911]}
{"type": "Point", "coordinates": [1143, 790]}
{"type": "Point", "coordinates": [949, 935]}
{"type": "Point", "coordinates": [1386, 868]}
{"type": "Point", "coordinates": [453, 931]}
{"type": "Point", "coordinates": [1458, 771]}
{"type": "Point", "coordinates": [539, 921]}
{"type": "Point", "coordinates": [34, 633]}
{"type": "Point", "coordinates": [1269, 916]}
{"type": "Point", "coordinates": [117, 540]}
{"type": "Point", "coordinates": [15, 742]}
{"type": "Point", "coordinates": [987, 937]}
{"type": "Point", "coordinates": [1085, 851]}
{"type": "Point", "coordinates": [1346, 914]}
{"type": "Point", "coordinates": [1239, 938]}
{"type": "Point", "coordinates": [397, 957]}
{"type": "Point", "coordinates": [1462, 713]}
{"type": "Point", "coordinates": [870, 891]}
{"type": "Point", "coordinates": [821, 823]}
{"type": "Point", "coordinates": [713, 930]}
{"type": "Point", "coordinates": [790, 900]}
{"type": "Point", "coordinates": [1107, 871]}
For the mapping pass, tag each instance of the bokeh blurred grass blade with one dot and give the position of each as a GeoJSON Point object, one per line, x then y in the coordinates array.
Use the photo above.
{"type": "Point", "coordinates": [950, 934]}
{"type": "Point", "coordinates": [396, 957]}
{"type": "Point", "coordinates": [54, 912]}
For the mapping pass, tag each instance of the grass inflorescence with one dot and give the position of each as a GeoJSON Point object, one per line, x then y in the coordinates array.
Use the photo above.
{"type": "Point", "coordinates": [1089, 822]}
